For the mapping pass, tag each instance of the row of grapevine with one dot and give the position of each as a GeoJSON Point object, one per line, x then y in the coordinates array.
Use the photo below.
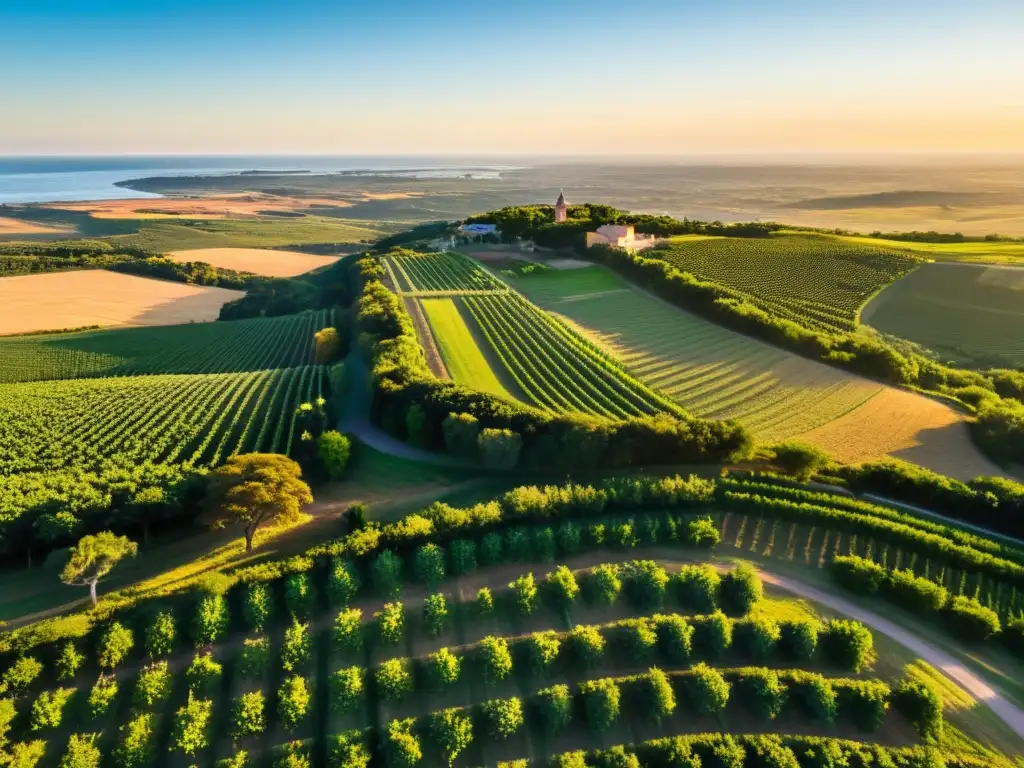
{"type": "Point", "coordinates": [222, 347]}
{"type": "Point", "coordinates": [441, 272]}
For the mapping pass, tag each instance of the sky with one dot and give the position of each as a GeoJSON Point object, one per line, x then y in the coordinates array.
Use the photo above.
{"type": "Point", "coordinates": [511, 76]}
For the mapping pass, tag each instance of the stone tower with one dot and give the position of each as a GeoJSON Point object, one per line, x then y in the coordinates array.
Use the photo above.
{"type": "Point", "coordinates": [561, 210]}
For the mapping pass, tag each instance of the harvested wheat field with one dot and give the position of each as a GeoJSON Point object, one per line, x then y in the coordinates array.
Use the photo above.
{"type": "Point", "coordinates": [18, 227]}
{"type": "Point", "coordinates": [97, 297]}
{"type": "Point", "coordinates": [259, 261]}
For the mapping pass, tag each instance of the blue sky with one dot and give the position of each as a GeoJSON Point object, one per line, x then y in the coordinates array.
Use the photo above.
{"type": "Point", "coordinates": [453, 76]}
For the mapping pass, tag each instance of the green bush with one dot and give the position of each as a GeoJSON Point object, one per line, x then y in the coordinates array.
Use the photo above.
{"type": "Point", "coordinates": [761, 691]}
{"type": "Point", "coordinates": [348, 630]}
{"type": "Point", "coordinates": [452, 732]}
{"type": "Point", "coordinates": [293, 702]}
{"type": "Point", "coordinates": [248, 717]}
{"type": "Point", "coordinates": [814, 695]}
{"type": "Point", "coordinates": [103, 692]}
{"type": "Point", "coordinates": [333, 449]}
{"type": "Point", "coordinates": [576, 759]}
{"type": "Point", "coordinates": [82, 752]}
{"type": "Point", "coordinates": [517, 545]}
{"type": "Point", "coordinates": [136, 746]}
{"type": "Point", "coordinates": [970, 620]}
{"type": "Point", "coordinates": [657, 695]}
{"type": "Point", "coordinates": [258, 606]}
{"type": "Point", "coordinates": [585, 645]}
{"type": "Point", "coordinates": [255, 660]}
{"type": "Point", "coordinates": [541, 650]}
{"type": "Point", "coordinates": [443, 667]}
{"type": "Point", "coordinates": [697, 588]}
{"type": "Point", "coordinates": [460, 432]}
{"type": "Point", "coordinates": [504, 717]}
{"type": "Point", "coordinates": [429, 565]}
{"type": "Point", "coordinates": [462, 553]}
{"type": "Point", "coordinates": [740, 589]}
{"type": "Point", "coordinates": [298, 595]}
{"type": "Point", "coordinates": [554, 707]}
{"type": "Point", "coordinates": [679, 754]}
{"type": "Point", "coordinates": [211, 620]}
{"type": "Point", "coordinates": [602, 585]}
{"type": "Point", "coordinates": [20, 675]}
{"type": "Point", "coordinates": [1013, 636]}
{"type": "Point", "coordinates": [391, 623]}
{"type": "Point", "coordinates": [769, 752]}
{"type": "Point", "coordinates": [560, 587]}
{"type": "Point", "coordinates": [799, 459]}
{"type": "Point", "coordinates": [491, 549]}
{"type": "Point", "coordinates": [484, 602]}
{"type": "Point", "coordinates": [617, 757]}
{"type": "Point", "coordinates": [115, 645]}
{"type": "Point", "coordinates": [524, 592]}
{"type": "Point", "coordinates": [702, 533]}
{"type": "Point", "coordinates": [758, 638]}
{"type": "Point", "coordinates": [161, 635]}
{"type": "Point", "coordinates": [921, 705]}
{"type": "Point", "coordinates": [858, 574]}
{"type": "Point", "coordinates": [401, 747]}
{"type": "Point", "coordinates": [435, 613]}
{"type": "Point", "coordinates": [68, 662]}
{"type": "Point", "coordinates": [203, 673]}
{"type": "Point", "coordinates": [296, 647]}
{"type": "Point", "coordinates": [346, 689]}
{"type": "Point", "coordinates": [343, 582]}
{"type": "Point", "coordinates": [864, 702]}
{"type": "Point", "coordinates": [799, 639]}
{"type": "Point", "coordinates": [847, 644]}
{"type": "Point", "coordinates": [153, 685]}
{"type": "Point", "coordinates": [569, 538]}
{"type": "Point", "coordinates": [637, 639]}
{"type": "Point", "coordinates": [349, 751]}
{"type": "Point", "coordinates": [495, 658]}
{"type": "Point", "coordinates": [499, 448]}
{"type": "Point", "coordinates": [915, 593]}
{"type": "Point", "coordinates": [386, 574]}
{"type": "Point", "coordinates": [601, 703]}
{"type": "Point", "coordinates": [712, 634]}
{"type": "Point", "coordinates": [645, 583]}
{"type": "Point", "coordinates": [675, 638]}
{"type": "Point", "coordinates": [394, 679]}
{"type": "Point", "coordinates": [190, 731]}
{"type": "Point", "coordinates": [706, 690]}
{"type": "Point", "coordinates": [728, 754]}
{"type": "Point", "coordinates": [48, 708]}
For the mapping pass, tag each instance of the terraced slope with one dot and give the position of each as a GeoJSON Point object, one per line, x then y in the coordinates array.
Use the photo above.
{"type": "Point", "coordinates": [973, 314]}
{"type": "Point", "coordinates": [817, 281]}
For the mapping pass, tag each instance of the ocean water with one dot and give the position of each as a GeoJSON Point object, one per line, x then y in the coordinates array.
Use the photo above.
{"type": "Point", "coordinates": [28, 179]}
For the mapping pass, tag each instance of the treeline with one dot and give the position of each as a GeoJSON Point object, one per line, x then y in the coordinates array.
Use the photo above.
{"type": "Point", "coordinates": [410, 403]}
{"type": "Point", "coordinates": [332, 286]}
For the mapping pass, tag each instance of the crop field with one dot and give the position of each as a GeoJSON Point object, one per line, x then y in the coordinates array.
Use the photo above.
{"type": "Point", "coordinates": [816, 281]}
{"type": "Point", "coordinates": [75, 299]}
{"type": "Point", "coordinates": [1009, 253]}
{"type": "Point", "coordinates": [259, 261]}
{"type": "Point", "coordinates": [223, 347]}
{"type": "Point", "coordinates": [446, 272]}
{"type": "Point", "coordinates": [971, 314]}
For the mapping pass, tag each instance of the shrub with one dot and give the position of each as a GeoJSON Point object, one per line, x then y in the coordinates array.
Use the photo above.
{"type": "Point", "coordinates": [675, 638]}
{"type": "Point", "coordinates": [517, 545]}
{"type": "Point", "coordinates": [103, 692]}
{"type": "Point", "coordinates": [569, 538]}
{"type": "Point", "coordinates": [847, 644]}
{"type": "Point", "coordinates": [586, 645]}
{"type": "Point", "coordinates": [258, 606]}
{"type": "Point", "coordinates": [460, 432]}
{"type": "Point", "coordinates": [349, 751]}
{"type": "Point", "coordinates": [697, 588]}
{"type": "Point", "coordinates": [462, 553]}
{"type": "Point", "coordinates": [343, 582]}
{"type": "Point", "coordinates": [203, 673]}
{"type": "Point", "coordinates": [211, 620]}
{"type": "Point", "coordinates": [115, 645]}
{"type": "Point", "coordinates": [769, 752]}
{"type": "Point", "coordinates": [702, 533]}
{"type": "Point", "coordinates": [504, 716]}
{"type": "Point", "coordinates": [728, 754]}
{"type": "Point", "coordinates": [554, 708]}
{"type": "Point", "coordinates": [814, 695]}
{"type": "Point", "coordinates": [298, 595]}
{"type": "Point", "coordinates": [82, 751]}
{"type": "Point", "coordinates": [391, 623]}
{"type": "Point", "coordinates": [48, 708]}
{"type": "Point", "coordinates": [293, 702]}
{"type": "Point", "coordinates": [443, 667]}
{"type": "Point", "coordinates": [601, 701]}
{"type": "Point", "coordinates": [484, 602]}
{"type": "Point", "coordinates": [617, 757]}
{"type": "Point", "coordinates": [864, 702]}
{"type": "Point", "coordinates": [499, 448]}
{"type": "Point", "coordinates": [858, 574]}
{"type": "Point", "coordinates": [401, 747]}
{"type": "Point", "coordinates": [636, 639]}
{"type": "Point", "coordinates": [712, 634]}
{"type": "Point", "coordinates": [799, 639]}
{"type": "Point", "coordinates": [542, 651]}
{"type": "Point", "coordinates": [495, 658]}
{"type": "Point", "coordinates": [645, 582]}
{"type": "Point", "coordinates": [761, 691]}
{"type": "Point", "coordinates": [348, 629]}
{"type": "Point", "coordinates": [346, 689]}
{"type": "Point", "coordinates": [970, 620]}
{"type": "Point", "coordinates": [248, 717]}
{"type": "Point", "coordinates": [429, 565]}
{"type": "Point", "coordinates": [20, 675]}
{"type": "Point", "coordinates": [333, 449]}
{"type": "Point", "coordinates": [602, 585]}
{"type": "Point", "coordinates": [386, 574]}
{"type": "Point", "coordinates": [452, 731]}
{"type": "Point", "coordinates": [1013, 636]}
{"type": "Point", "coordinates": [921, 706]}
{"type": "Point", "coordinates": [524, 590]}
{"type": "Point", "coordinates": [915, 593]}
{"type": "Point", "coordinates": [799, 459]}
{"type": "Point", "coordinates": [255, 660]}
{"type": "Point", "coordinates": [68, 662]}
{"type": "Point", "coordinates": [190, 730]}
{"type": "Point", "coordinates": [296, 648]}
{"type": "Point", "coordinates": [394, 679]}
{"type": "Point", "coordinates": [679, 754]}
{"type": "Point", "coordinates": [577, 759]}
{"type": "Point", "coordinates": [657, 695]}
{"type": "Point", "coordinates": [491, 549]}
{"type": "Point", "coordinates": [161, 635]}
{"type": "Point", "coordinates": [757, 637]}
{"type": "Point", "coordinates": [136, 743]}
{"type": "Point", "coordinates": [561, 588]}
{"type": "Point", "coordinates": [740, 589]}
{"type": "Point", "coordinates": [153, 685]}
{"type": "Point", "coordinates": [706, 690]}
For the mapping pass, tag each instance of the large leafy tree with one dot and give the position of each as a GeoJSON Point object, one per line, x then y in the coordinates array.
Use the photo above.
{"type": "Point", "coordinates": [256, 488]}
{"type": "Point", "coordinates": [94, 557]}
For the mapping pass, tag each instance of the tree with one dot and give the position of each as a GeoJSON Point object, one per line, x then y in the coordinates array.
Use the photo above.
{"type": "Point", "coordinates": [525, 591]}
{"type": "Point", "coordinates": [561, 587]}
{"type": "Point", "coordinates": [542, 649]}
{"type": "Point", "coordinates": [452, 731]}
{"type": "Point", "coordinates": [82, 751]}
{"type": "Point", "coordinates": [603, 584]}
{"type": "Point", "coordinates": [94, 557]}
{"type": "Point", "coordinates": [601, 703]}
{"type": "Point", "coordinates": [346, 687]}
{"type": "Point", "coordinates": [504, 716]}
{"type": "Point", "coordinates": [499, 448]}
{"type": "Point", "coordinates": [327, 342]}
{"type": "Point", "coordinates": [153, 685]}
{"type": "Point", "coordinates": [69, 661]}
{"type": "Point", "coordinates": [191, 725]}
{"type": "Point", "coordinates": [256, 488]}
{"type": "Point", "coordinates": [334, 449]}
{"type": "Point", "coordinates": [295, 649]}
{"type": "Point", "coordinates": [248, 717]}
{"type": "Point", "coordinates": [391, 623]}
{"type": "Point", "coordinates": [115, 644]}
{"type": "Point", "coordinates": [394, 679]}
{"type": "Point", "coordinates": [443, 667]}
{"type": "Point", "coordinates": [136, 748]}
{"type": "Point", "coordinates": [429, 565]}
{"type": "Point", "coordinates": [496, 658]}
{"type": "Point", "coordinates": [707, 690]}
{"type": "Point", "coordinates": [554, 707]}
{"type": "Point", "coordinates": [435, 613]}
{"type": "Point", "coordinates": [658, 695]}
{"type": "Point", "coordinates": [293, 701]}
{"type": "Point", "coordinates": [160, 635]}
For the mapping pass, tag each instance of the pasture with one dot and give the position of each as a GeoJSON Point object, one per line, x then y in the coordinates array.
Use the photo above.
{"type": "Point", "coordinates": [259, 261]}
{"type": "Point", "coordinates": [75, 299]}
{"type": "Point", "coordinates": [816, 281]}
{"type": "Point", "coordinates": [716, 373]}
{"type": "Point", "coordinates": [971, 314]}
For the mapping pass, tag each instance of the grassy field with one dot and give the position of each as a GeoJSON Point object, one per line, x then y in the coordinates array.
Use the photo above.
{"type": "Point", "coordinates": [970, 314]}
{"type": "Point", "coordinates": [971, 253]}
{"type": "Point", "coordinates": [816, 281]}
{"type": "Point", "coordinates": [717, 373]}
{"type": "Point", "coordinates": [97, 297]}
{"type": "Point", "coordinates": [462, 357]}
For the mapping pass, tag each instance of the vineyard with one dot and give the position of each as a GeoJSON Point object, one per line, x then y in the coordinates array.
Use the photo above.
{"type": "Point", "coordinates": [815, 281]}
{"type": "Point", "coordinates": [967, 313]}
{"type": "Point", "coordinates": [221, 347]}
{"type": "Point", "coordinates": [446, 272]}
{"type": "Point", "coordinates": [424, 649]}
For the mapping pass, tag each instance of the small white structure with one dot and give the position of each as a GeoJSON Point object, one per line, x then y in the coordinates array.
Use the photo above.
{"type": "Point", "coordinates": [561, 209]}
{"type": "Point", "coordinates": [619, 236]}
{"type": "Point", "coordinates": [478, 230]}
